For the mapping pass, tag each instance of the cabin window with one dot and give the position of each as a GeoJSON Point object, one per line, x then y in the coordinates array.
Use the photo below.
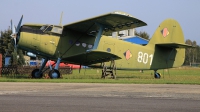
{"type": "Point", "coordinates": [90, 46]}
{"type": "Point", "coordinates": [84, 44]}
{"type": "Point", "coordinates": [78, 43]}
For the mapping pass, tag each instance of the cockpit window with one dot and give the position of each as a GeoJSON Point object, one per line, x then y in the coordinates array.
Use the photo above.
{"type": "Point", "coordinates": [46, 28]}
{"type": "Point", "coordinates": [43, 27]}
{"type": "Point", "coordinates": [52, 28]}
{"type": "Point", "coordinates": [49, 28]}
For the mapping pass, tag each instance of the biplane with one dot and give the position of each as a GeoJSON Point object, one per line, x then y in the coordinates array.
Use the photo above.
{"type": "Point", "coordinates": [90, 43]}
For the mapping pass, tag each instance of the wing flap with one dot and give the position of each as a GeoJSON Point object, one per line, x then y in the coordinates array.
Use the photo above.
{"type": "Point", "coordinates": [115, 21]}
{"type": "Point", "coordinates": [91, 57]}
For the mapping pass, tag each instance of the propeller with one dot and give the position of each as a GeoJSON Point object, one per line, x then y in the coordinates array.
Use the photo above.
{"type": "Point", "coordinates": [15, 31]}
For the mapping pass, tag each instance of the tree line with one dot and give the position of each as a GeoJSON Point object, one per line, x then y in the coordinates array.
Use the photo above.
{"type": "Point", "coordinates": [7, 49]}
{"type": "Point", "coordinates": [192, 55]}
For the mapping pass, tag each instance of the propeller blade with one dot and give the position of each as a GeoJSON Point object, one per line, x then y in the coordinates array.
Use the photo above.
{"type": "Point", "coordinates": [15, 42]}
{"type": "Point", "coordinates": [15, 31]}
{"type": "Point", "coordinates": [12, 27]}
{"type": "Point", "coordinates": [15, 28]}
{"type": "Point", "coordinates": [19, 24]}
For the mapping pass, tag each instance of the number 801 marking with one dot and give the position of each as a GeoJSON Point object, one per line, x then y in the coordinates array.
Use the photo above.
{"type": "Point", "coordinates": [143, 57]}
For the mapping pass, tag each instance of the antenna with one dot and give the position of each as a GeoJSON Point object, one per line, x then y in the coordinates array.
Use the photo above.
{"type": "Point", "coordinates": [61, 19]}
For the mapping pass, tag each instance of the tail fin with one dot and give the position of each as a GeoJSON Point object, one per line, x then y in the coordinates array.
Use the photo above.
{"type": "Point", "coordinates": [168, 40]}
{"type": "Point", "coordinates": [169, 33]}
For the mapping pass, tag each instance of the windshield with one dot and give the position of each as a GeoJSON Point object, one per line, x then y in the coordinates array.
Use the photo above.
{"type": "Point", "coordinates": [52, 28]}
{"type": "Point", "coordinates": [43, 27]}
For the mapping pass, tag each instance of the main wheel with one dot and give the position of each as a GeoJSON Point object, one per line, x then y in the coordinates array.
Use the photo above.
{"type": "Point", "coordinates": [54, 74]}
{"type": "Point", "coordinates": [35, 74]}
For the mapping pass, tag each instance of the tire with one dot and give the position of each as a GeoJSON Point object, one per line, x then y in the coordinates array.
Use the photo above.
{"type": "Point", "coordinates": [157, 75]}
{"type": "Point", "coordinates": [54, 74]}
{"type": "Point", "coordinates": [35, 74]}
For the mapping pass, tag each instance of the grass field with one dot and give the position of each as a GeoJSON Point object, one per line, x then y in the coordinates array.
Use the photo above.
{"type": "Point", "coordinates": [183, 75]}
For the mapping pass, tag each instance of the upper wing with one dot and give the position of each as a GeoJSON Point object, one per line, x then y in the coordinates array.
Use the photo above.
{"type": "Point", "coordinates": [115, 21]}
{"type": "Point", "coordinates": [91, 57]}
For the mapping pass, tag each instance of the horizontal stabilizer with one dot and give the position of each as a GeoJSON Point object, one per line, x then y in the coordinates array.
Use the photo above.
{"type": "Point", "coordinates": [92, 57]}
{"type": "Point", "coordinates": [174, 45]}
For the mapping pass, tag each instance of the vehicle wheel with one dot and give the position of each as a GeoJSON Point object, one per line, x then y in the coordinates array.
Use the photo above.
{"type": "Point", "coordinates": [54, 74]}
{"type": "Point", "coordinates": [157, 75]}
{"type": "Point", "coordinates": [35, 74]}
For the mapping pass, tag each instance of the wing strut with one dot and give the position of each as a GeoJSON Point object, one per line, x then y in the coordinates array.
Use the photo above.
{"type": "Point", "coordinates": [98, 36]}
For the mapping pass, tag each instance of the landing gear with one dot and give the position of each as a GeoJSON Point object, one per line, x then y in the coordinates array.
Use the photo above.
{"type": "Point", "coordinates": [54, 74]}
{"type": "Point", "coordinates": [111, 71]}
{"type": "Point", "coordinates": [157, 75]}
{"type": "Point", "coordinates": [35, 74]}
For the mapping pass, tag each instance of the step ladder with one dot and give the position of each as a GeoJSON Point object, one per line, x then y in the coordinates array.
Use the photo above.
{"type": "Point", "coordinates": [111, 70]}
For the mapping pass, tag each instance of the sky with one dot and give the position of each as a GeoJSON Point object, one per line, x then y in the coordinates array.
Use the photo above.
{"type": "Point", "coordinates": [153, 12]}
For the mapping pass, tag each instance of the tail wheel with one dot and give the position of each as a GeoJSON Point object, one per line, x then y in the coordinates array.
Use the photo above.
{"type": "Point", "coordinates": [157, 75]}
{"type": "Point", "coordinates": [54, 74]}
{"type": "Point", "coordinates": [35, 74]}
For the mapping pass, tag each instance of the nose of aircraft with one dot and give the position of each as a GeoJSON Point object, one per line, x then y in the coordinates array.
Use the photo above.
{"type": "Point", "coordinates": [15, 38]}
